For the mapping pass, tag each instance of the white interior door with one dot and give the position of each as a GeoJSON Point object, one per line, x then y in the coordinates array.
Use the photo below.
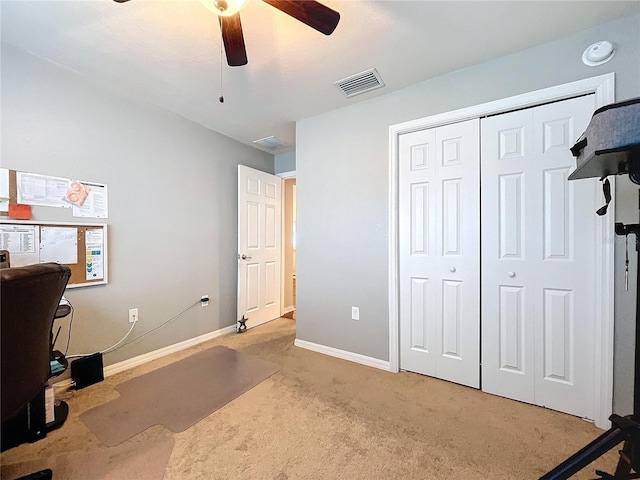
{"type": "Point", "coordinates": [259, 245]}
{"type": "Point", "coordinates": [439, 252]}
{"type": "Point", "coordinates": [538, 258]}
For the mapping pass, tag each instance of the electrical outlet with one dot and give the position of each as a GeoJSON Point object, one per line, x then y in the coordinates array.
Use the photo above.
{"type": "Point", "coordinates": [133, 315]}
{"type": "Point", "coordinates": [204, 300]}
{"type": "Point", "coordinates": [355, 313]}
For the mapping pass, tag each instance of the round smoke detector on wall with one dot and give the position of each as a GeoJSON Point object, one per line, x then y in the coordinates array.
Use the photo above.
{"type": "Point", "coordinates": [598, 53]}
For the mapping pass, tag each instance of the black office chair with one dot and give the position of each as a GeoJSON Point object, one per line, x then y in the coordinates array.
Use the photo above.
{"type": "Point", "coordinates": [29, 298]}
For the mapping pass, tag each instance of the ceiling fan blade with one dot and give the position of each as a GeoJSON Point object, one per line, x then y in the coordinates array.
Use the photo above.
{"type": "Point", "coordinates": [310, 12]}
{"type": "Point", "coordinates": [233, 40]}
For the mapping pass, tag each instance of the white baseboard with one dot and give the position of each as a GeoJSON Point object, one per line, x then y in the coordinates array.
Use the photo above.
{"type": "Point", "coordinates": [154, 355]}
{"type": "Point", "coordinates": [290, 309]}
{"type": "Point", "coordinates": [344, 355]}
{"type": "Point", "coordinates": [163, 352]}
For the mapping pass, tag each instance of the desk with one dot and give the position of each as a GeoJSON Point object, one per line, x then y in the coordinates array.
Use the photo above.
{"type": "Point", "coordinates": [59, 365]}
{"type": "Point", "coordinates": [58, 361]}
{"type": "Point", "coordinates": [63, 310]}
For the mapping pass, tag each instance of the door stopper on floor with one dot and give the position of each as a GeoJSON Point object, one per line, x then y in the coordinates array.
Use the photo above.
{"type": "Point", "coordinates": [242, 325]}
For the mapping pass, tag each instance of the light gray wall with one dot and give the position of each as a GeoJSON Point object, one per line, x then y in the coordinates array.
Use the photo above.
{"type": "Point", "coordinates": [285, 162]}
{"type": "Point", "coordinates": [343, 187]}
{"type": "Point", "coordinates": [172, 202]}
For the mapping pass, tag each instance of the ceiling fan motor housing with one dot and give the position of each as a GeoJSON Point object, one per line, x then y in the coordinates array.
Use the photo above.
{"type": "Point", "coordinates": [221, 5]}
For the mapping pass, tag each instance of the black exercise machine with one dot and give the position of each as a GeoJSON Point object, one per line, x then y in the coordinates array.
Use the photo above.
{"type": "Point", "coordinates": [611, 146]}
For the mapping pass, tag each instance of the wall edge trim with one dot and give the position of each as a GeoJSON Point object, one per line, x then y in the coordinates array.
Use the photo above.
{"type": "Point", "coordinates": [343, 354]}
{"type": "Point", "coordinates": [110, 370]}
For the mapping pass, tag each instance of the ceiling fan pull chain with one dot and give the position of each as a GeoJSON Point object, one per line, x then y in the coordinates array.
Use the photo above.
{"type": "Point", "coordinates": [221, 97]}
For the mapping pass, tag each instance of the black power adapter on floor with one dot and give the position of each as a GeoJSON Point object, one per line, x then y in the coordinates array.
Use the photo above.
{"type": "Point", "coordinates": [87, 370]}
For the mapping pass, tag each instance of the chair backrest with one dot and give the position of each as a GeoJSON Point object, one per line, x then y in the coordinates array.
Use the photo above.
{"type": "Point", "coordinates": [5, 259]}
{"type": "Point", "coordinates": [29, 297]}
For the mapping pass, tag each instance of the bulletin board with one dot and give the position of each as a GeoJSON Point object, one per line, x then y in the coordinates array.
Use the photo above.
{"type": "Point", "coordinates": [80, 246]}
{"type": "Point", "coordinates": [19, 191]}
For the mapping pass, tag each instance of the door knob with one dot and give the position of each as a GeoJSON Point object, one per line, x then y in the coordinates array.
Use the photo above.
{"type": "Point", "coordinates": [452, 269]}
{"type": "Point", "coordinates": [512, 274]}
{"type": "Point", "coordinates": [244, 257]}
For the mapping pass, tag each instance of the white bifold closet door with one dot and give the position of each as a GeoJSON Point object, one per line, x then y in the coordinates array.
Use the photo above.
{"type": "Point", "coordinates": [439, 252]}
{"type": "Point", "coordinates": [538, 246]}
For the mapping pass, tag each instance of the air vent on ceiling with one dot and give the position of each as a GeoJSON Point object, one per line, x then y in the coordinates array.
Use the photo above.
{"type": "Point", "coordinates": [272, 143]}
{"type": "Point", "coordinates": [360, 83]}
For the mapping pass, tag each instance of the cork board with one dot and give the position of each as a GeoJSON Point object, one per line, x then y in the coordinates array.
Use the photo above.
{"type": "Point", "coordinates": [80, 246]}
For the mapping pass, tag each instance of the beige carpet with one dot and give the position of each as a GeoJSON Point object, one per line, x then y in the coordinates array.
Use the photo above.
{"type": "Point", "coordinates": [177, 395]}
{"type": "Point", "coordinates": [148, 459]}
{"type": "Point", "coordinates": [324, 418]}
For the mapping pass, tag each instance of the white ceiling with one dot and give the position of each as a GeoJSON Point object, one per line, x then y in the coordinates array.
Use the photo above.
{"type": "Point", "coordinates": [168, 52]}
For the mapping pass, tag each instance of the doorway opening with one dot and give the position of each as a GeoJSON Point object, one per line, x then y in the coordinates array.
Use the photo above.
{"type": "Point", "coordinates": [289, 248]}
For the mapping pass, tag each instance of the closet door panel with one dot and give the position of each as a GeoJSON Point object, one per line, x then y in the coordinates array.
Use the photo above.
{"type": "Point", "coordinates": [507, 307]}
{"type": "Point", "coordinates": [439, 252]}
{"type": "Point", "coordinates": [538, 251]}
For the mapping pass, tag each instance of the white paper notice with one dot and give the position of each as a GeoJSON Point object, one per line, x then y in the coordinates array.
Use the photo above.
{"type": "Point", "coordinates": [94, 236]}
{"type": "Point", "coordinates": [94, 239]}
{"type": "Point", "coordinates": [59, 244]}
{"type": "Point", "coordinates": [22, 241]}
{"type": "Point", "coordinates": [4, 189]}
{"type": "Point", "coordinates": [42, 190]}
{"type": "Point", "coordinates": [95, 263]}
{"type": "Point", "coordinates": [97, 203]}
{"type": "Point", "coordinates": [18, 239]}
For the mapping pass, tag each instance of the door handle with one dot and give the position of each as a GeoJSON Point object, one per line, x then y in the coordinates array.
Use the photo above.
{"type": "Point", "coordinates": [512, 274]}
{"type": "Point", "coordinates": [452, 269]}
{"type": "Point", "coordinates": [244, 257]}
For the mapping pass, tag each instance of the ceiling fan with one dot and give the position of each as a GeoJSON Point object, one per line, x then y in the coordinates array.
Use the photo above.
{"type": "Point", "coordinates": [309, 12]}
